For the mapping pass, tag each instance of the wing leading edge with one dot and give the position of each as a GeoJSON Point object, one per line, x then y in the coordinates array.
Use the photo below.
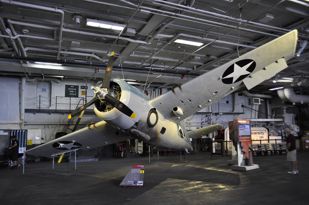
{"type": "Point", "coordinates": [94, 135]}
{"type": "Point", "coordinates": [251, 68]}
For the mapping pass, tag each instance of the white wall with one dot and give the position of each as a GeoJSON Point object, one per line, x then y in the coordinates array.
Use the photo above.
{"type": "Point", "coordinates": [52, 91]}
{"type": "Point", "coordinates": [9, 100]}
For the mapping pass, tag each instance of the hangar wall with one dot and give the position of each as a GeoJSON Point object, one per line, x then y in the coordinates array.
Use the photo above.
{"type": "Point", "coordinates": [9, 101]}
{"type": "Point", "coordinates": [33, 96]}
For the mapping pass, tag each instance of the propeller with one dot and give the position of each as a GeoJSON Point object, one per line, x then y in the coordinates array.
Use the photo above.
{"type": "Point", "coordinates": [102, 94]}
{"type": "Point", "coordinates": [108, 71]}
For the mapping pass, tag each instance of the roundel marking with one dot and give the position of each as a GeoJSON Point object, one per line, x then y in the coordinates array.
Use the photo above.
{"type": "Point", "coordinates": [238, 71]}
{"type": "Point", "coordinates": [152, 118]}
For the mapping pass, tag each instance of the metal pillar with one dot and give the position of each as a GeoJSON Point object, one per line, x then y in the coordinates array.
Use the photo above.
{"type": "Point", "coordinates": [149, 154]}
{"type": "Point", "coordinates": [23, 161]}
{"type": "Point", "coordinates": [53, 164]}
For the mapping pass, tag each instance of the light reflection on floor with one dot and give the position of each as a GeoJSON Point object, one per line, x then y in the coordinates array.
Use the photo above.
{"type": "Point", "coordinates": [179, 185]}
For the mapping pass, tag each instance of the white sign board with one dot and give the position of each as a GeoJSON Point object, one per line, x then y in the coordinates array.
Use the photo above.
{"type": "Point", "coordinates": [259, 135]}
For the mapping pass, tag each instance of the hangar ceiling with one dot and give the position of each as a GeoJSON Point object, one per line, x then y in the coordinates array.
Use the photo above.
{"type": "Point", "coordinates": [56, 31]}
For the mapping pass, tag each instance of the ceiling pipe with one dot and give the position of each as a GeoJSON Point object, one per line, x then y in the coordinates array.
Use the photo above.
{"type": "Point", "coordinates": [170, 14]}
{"type": "Point", "coordinates": [21, 46]}
{"type": "Point", "coordinates": [134, 70]}
{"type": "Point", "coordinates": [281, 95]}
{"type": "Point", "coordinates": [164, 59]}
{"type": "Point", "coordinates": [194, 19]}
{"type": "Point", "coordinates": [216, 15]}
{"type": "Point", "coordinates": [26, 36]}
{"type": "Point", "coordinates": [170, 51]}
{"type": "Point", "coordinates": [104, 35]}
{"type": "Point", "coordinates": [150, 10]}
{"type": "Point", "coordinates": [288, 94]}
{"type": "Point", "coordinates": [303, 45]}
{"type": "Point", "coordinates": [21, 23]}
{"type": "Point", "coordinates": [173, 15]}
{"type": "Point", "coordinates": [2, 24]}
{"type": "Point", "coordinates": [213, 33]}
{"type": "Point", "coordinates": [216, 40]}
{"type": "Point", "coordinates": [248, 94]}
{"type": "Point", "coordinates": [92, 55]}
{"type": "Point", "coordinates": [79, 32]}
{"type": "Point", "coordinates": [44, 8]}
{"type": "Point", "coordinates": [195, 37]}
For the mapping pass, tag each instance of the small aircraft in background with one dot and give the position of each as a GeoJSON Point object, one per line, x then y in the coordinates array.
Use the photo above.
{"type": "Point", "coordinates": [126, 113]}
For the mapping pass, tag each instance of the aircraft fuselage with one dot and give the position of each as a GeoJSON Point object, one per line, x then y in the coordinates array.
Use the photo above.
{"type": "Point", "coordinates": [149, 124]}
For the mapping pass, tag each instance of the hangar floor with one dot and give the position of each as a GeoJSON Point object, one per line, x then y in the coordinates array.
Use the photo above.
{"type": "Point", "coordinates": [198, 179]}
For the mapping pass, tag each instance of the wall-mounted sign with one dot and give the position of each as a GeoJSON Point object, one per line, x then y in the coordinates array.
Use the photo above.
{"type": "Point", "coordinates": [84, 87]}
{"type": "Point", "coordinates": [71, 91]}
{"type": "Point", "coordinates": [259, 134]}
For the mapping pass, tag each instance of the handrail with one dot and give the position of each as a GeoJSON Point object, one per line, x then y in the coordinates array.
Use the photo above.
{"type": "Point", "coordinates": [62, 153]}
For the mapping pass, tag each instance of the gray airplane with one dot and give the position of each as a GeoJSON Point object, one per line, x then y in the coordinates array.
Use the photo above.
{"type": "Point", "coordinates": [126, 113]}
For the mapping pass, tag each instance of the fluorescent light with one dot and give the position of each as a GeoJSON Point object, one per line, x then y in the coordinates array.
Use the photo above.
{"type": "Point", "coordinates": [130, 80]}
{"type": "Point", "coordinates": [134, 83]}
{"type": "Point", "coordinates": [284, 80]}
{"type": "Point", "coordinates": [47, 63]}
{"type": "Point", "coordinates": [105, 24]}
{"type": "Point", "coordinates": [186, 42]}
{"type": "Point", "coordinates": [276, 88]}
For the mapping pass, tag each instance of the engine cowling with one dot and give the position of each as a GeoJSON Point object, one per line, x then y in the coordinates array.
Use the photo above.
{"type": "Point", "coordinates": [122, 92]}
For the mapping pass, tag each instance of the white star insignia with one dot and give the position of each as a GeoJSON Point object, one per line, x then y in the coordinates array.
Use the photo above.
{"type": "Point", "coordinates": [238, 71]}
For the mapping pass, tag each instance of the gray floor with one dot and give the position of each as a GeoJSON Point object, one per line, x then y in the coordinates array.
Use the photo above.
{"type": "Point", "coordinates": [197, 179]}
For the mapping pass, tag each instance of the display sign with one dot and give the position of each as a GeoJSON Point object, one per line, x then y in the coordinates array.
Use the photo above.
{"type": "Point", "coordinates": [71, 91]}
{"type": "Point", "coordinates": [84, 87]}
{"type": "Point", "coordinates": [244, 130]}
{"type": "Point", "coordinates": [259, 135]}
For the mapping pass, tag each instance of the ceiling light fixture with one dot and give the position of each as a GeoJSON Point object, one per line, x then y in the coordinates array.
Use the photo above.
{"type": "Point", "coordinates": [276, 88]}
{"type": "Point", "coordinates": [47, 63]}
{"type": "Point", "coordinates": [284, 80]}
{"type": "Point", "coordinates": [190, 43]}
{"type": "Point", "coordinates": [105, 24]}
{"type": "Point", "coordinates": [300, 2]}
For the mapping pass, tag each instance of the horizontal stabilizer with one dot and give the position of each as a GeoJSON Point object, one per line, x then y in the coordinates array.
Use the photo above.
{"type": "Point", "coordinates": [203, 131]}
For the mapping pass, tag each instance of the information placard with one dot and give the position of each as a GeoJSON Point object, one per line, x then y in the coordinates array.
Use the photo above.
{"type": "Point", "coordinates": [71, 91]}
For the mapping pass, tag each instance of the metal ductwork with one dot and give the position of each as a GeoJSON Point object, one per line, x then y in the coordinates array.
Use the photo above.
{"type": "Point", "coordinates": [288, 94]}
{"type": "Point", "coordinates": [246, 93]}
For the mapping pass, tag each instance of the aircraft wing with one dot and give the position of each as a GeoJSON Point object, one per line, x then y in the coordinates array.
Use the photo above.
{"type": "Point", "coordinates": [94, 135]}
{"type": "Point", "coordinates": [251, 69]}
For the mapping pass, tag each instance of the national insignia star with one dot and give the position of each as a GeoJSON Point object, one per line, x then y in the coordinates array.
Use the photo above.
{"type": "Point", "coordinates": [239, 71]}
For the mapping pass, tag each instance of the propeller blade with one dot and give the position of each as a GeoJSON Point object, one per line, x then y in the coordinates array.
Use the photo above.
{"type": "Point", "coordinates": [108, 70]}
{"type": "Point", "coordinates": [120, 106]}
{"type": "Point", "coordinates": [82, 108]}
